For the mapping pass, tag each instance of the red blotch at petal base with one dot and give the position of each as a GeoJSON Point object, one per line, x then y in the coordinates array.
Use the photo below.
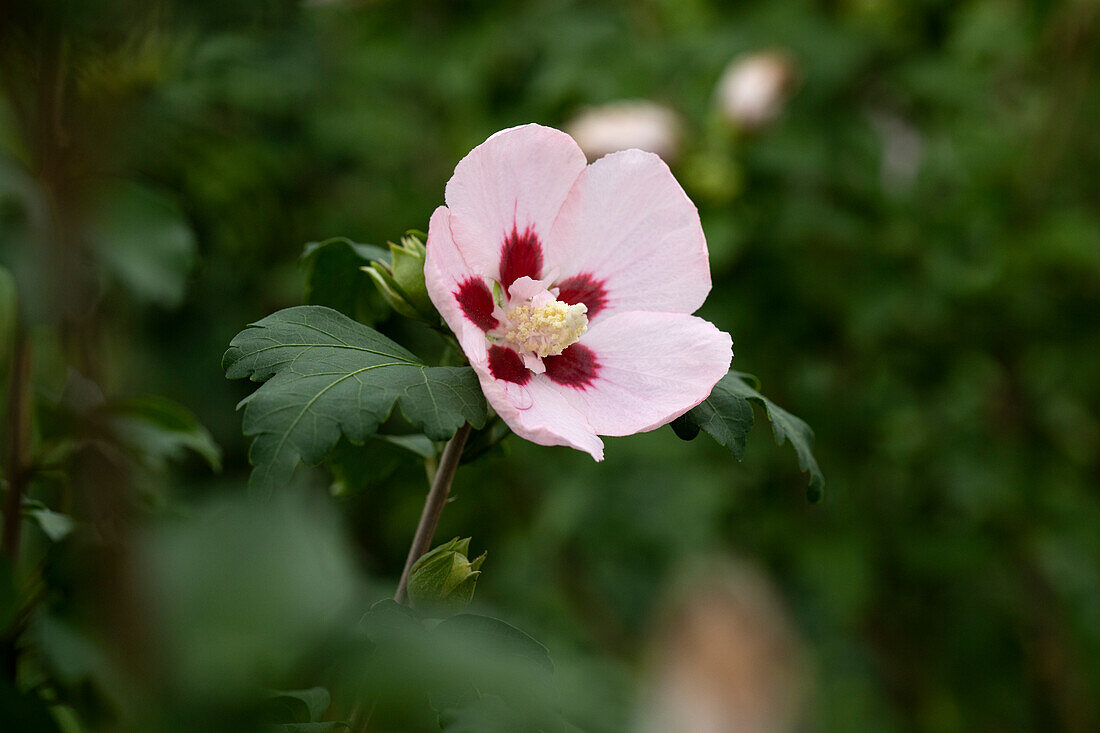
{"type": "Point", "coordinates": [575, 367]}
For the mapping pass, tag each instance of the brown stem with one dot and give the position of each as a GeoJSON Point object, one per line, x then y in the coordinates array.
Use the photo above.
{"type": "Point", "coordinates": [433, 507]}
{"type": "Point", "coordinates": [18, 432]}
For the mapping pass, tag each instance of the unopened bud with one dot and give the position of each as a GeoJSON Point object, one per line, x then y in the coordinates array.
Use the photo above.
{"type": "Point", "coordinates": [401, 281]}
{"type": "Point", "coordinates": [444, 578]}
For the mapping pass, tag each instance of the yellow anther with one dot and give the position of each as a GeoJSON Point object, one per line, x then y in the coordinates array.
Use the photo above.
{"type": "Point", "coordinates": [547, 330]}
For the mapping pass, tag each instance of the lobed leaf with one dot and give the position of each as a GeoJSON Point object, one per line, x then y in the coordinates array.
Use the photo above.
{"type": "Point", "coordinates": [726, 415]}
{"type": "Point", "coordinates": [325, 375]}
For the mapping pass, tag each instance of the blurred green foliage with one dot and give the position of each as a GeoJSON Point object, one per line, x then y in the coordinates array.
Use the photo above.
{"type": "Point", "coordinates": [908, 258]}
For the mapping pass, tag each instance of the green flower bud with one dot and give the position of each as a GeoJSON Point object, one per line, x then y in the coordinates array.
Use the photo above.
{"type": "Point", "coordinates": [444, 579]}
{"type": "Point", "coordinates": [401, 281]}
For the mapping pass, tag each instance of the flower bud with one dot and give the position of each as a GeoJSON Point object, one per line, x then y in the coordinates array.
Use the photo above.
{"type": "Point", "coordinates": [401, 281]}
{"type": "Point", "coordinates": [444, 579]}
{"type": "Point", "coordinates": [629, 124]}
{"type": "Point", "coordinates": [753, 88]}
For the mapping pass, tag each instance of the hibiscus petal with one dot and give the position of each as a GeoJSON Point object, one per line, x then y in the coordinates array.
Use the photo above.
{"type": "Point", "coordinates": [652, 368]}
{"type": "Point", "coordinates": [539, 411]}
{"type": "Point", "coordinates": [457, 291]}
{"type": "Point", "coordinates": [505, 195]}
{"type": "Point", "coordinates": [628, 238]}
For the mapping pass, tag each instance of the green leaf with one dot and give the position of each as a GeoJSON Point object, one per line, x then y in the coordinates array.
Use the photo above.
{"type": "Point", "coordinates": [495, 636]}
{"type": "Point", "coordinates": [311, 727]}
{"type": "Point", "coordinates": [157, 430]}
{"type": "Point", "coordinates": [334, 278]}
{"type": "Point", "coordinates": [414, 443]}
{"type": "Point", "coordinates": [487, 714]}
{"type": "Point", "coordinates": [302, 706]}
{"type": "Point", "coordinates": [325, 375]}
{"type": "Point", "coordinates": [486, 441]}
{"type": "Point", "coordinates": [143, 239]}
{"type": "Point", "coordinates": [685, 428]}
{"type": "Point", "coordinates": [24, 713]}
{"type": "Point", "coordinates": [55, 525]}
{"type": "Point", "coordinates": [726, 415]}
{"type": "Point", "coordinates": [356, 468]}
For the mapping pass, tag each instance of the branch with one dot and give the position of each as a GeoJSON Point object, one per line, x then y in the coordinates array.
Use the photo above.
{"type": "Point", "coordinates": [433, 507]}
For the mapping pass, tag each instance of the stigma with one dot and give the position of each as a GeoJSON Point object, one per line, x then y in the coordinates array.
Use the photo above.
{"type": "Point", "coordinates": [545, 330]}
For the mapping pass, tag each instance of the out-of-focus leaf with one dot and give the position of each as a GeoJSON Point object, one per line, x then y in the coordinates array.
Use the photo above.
{"type": "Point", "coordinates": [325, 375]}
{"type": "Point", "coordinates": [487, 714]}
{"type": "Point", "coordinates": [486, 441]}
{"type": "Point", "coordinates": [24, 713]}
{"type": "Point", "coordinates": [494, 636]}
{"type": "Point", "coordinates": [454, 664]}
{"type": "Point", "coordinates": [72, 655]}
{"type": "Point", "coordinates": [388, 619]}
{"type": "Point", "coordinates": [80, 395]}
{"type": "Point", "coordinates": [421, 445]}
{"type": "Point", "coordinates": [726, 416]}
{"type": "Point", "coordinates": [334, 275]}
{"type": "Point", "coordinates": [244, 587]}
{"type": "Point", "coordinates": [158, 430]}
{"type": "Point", "coordinates": [301, 706]}
{"type": "Point", "coordinates": [311, 727]}
{"type": "Point", "coordinates": [55, 525]}
{"type": "Point", "coordinates": [143, 240]}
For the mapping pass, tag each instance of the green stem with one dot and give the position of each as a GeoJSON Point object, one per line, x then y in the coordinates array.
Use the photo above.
{"type": "Point", "coordinates": [433, 507]}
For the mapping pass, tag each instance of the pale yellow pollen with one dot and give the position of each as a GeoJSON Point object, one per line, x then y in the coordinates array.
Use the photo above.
{"type": "Point", "coordinates": [548, 330]}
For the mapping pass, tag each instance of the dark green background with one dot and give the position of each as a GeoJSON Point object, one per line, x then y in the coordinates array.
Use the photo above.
{"type": "Point", "coordinates": [940, 333]}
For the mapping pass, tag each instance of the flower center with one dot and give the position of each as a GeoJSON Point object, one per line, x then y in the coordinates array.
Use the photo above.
{"type": "Point", "coordinates": [546, 330]}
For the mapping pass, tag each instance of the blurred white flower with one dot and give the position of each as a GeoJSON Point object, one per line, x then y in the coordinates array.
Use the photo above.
{"type": "Point", "coordinates": [754, 87]}
{"type": "Point", "coordinates": [617, 126]}
{"type": "Point", "coordinates": [725, 658]}
{"type": "Point", "coordinates": [902, 151]}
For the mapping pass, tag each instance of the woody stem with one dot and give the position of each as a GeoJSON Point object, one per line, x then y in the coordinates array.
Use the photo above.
{"type": "Point", "coordinates": [433, 507]}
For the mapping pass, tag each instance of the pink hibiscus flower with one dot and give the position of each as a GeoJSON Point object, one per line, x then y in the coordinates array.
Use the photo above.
{"type": "Point", "coordinates": [570, 288]}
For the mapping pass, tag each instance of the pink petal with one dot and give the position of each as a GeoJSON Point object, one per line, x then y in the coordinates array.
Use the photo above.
{"type": "Point", "coordinates": [652, 368]}
{"type": "Point", "coordinates": [457, 291]}
{"type": "Point", "coordinates": [514, 183]}
{"type": "Point", "coordinates": [628, 238]}
{"type": "Point", "coordinates": [537, 291]}
{"type": "Point", "coordinates": [540, 412]}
